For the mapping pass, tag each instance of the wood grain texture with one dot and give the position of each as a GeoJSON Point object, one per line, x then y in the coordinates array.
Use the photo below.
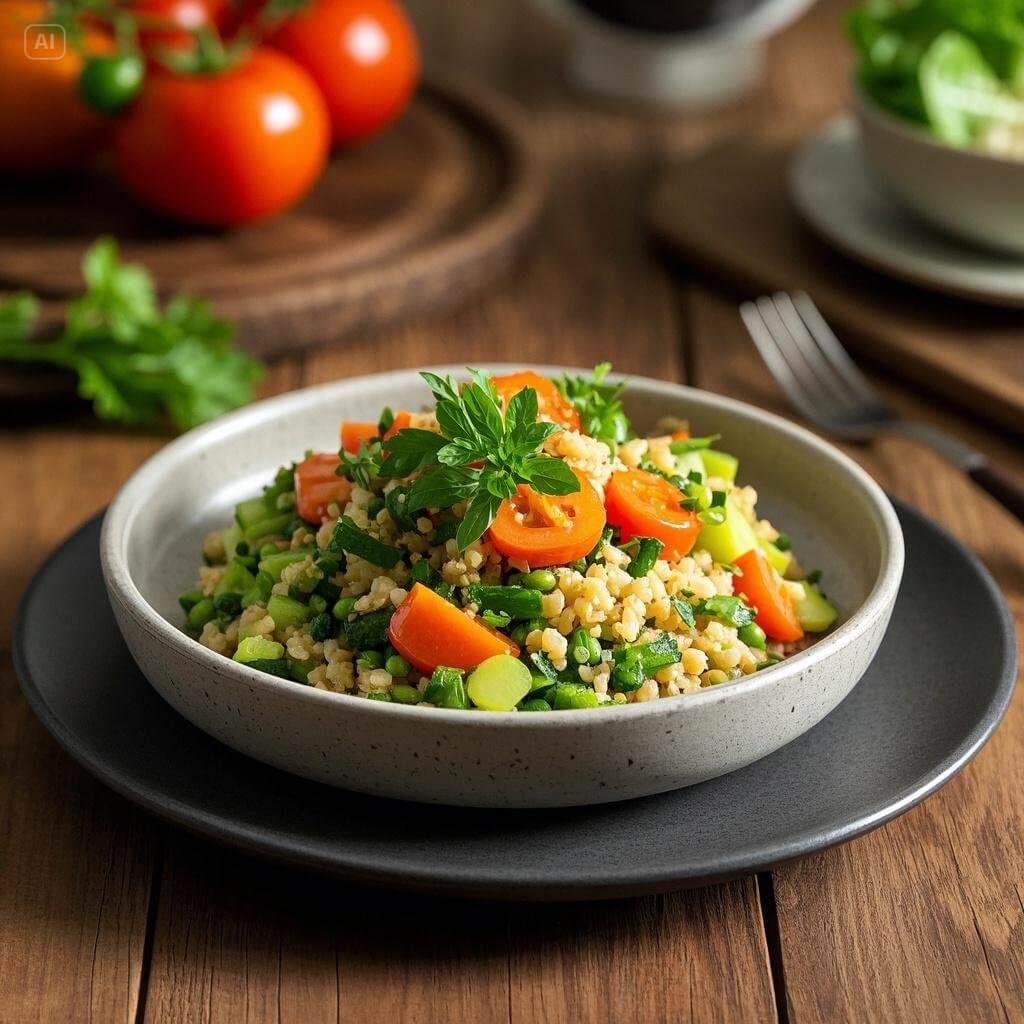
{"type": "Point", "coordinates": [921, 920]}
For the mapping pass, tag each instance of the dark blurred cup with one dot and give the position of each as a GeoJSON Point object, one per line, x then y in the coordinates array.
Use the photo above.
{"type": "Point", "coordinates": [682, 53]}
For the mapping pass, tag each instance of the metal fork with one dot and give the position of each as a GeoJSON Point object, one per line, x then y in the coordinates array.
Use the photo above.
{"type": "Point", "coordinates": [822, 381]}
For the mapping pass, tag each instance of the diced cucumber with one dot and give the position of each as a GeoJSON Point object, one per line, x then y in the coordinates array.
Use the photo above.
{"type": "Point", "coordinates": [275, 564]}
{"type": "Point", "coordinates": [286, 611]}
{"type": "Point", "coordinates": [251, 511]}
{"type": "Point", "coordinates": [719, 464]}
{"type": "Point", "coordinates": [815, 612]}
{"type": "Point", "coordinates": [230, 538]}
{"type": "Point", "coordinates": [258, 648]}
{"type": "Point", "coordinates": [690, 462]}
{"type": "Point", "coordinates": [300, 669]}
{"type": "Point", "coordinates": [779, 560]}
{"type": "Point", "coordinates": [236, 580]}
{"type": "Point", "coordinates": [727, 541]}
{"type": "Point", "coordinates": [499, 683]}
{"type": "Point", "coordinates": [201, 613]}
{"type": "Point", "coordinates": [270, 526]}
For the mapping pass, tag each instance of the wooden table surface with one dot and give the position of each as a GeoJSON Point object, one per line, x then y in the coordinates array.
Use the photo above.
{"type": "Point", "coordinates": [106, 915]}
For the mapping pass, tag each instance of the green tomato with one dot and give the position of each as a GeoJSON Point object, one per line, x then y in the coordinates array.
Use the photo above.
{"type": "Point", "coordinates": [109, 83]}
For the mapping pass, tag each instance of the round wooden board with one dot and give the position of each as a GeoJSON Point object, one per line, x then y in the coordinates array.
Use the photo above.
{"type": "Point", "coordinates": [415, 220]}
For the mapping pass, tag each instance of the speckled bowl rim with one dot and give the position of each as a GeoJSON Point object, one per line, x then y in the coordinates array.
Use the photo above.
{"type": "Point", "coordinates": [130, 500]}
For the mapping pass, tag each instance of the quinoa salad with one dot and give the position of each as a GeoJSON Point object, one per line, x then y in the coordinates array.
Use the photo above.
{"type": "Point", "coordinates": [515, 547]}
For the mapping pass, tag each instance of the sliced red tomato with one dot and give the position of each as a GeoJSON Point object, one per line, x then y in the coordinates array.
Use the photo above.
{"type": "Point", "coordinates": [429, 631]}
{"type": "Point", "coordinates": [643, 504]}
{"type": "Point", "coordinates": [317, 486]}
{"type": "Point", "coordinates": [552, 404]}
{"type": "Point", "coordinates": [761, 586]}
{"type": "Point", "coordinates": [544, 529]}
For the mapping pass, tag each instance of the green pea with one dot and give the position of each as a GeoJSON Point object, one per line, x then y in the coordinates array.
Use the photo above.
{"type": "Point", "coordinates": [371, 659]}
{"type": "Point", "coordinates": [753, 636]}
{"type": "Point", "coordinates": [344, 607]}
{"type": "Point", "coordinates": [716, 676]}
{"type": "Point", "coordinates": [402, 693]}
{"type": "Point", "coordinates": [397, 665]}
{"type": "Point", "coordinates": [317, 604]}
{"type": "Point", "coordinates": [543, 580]}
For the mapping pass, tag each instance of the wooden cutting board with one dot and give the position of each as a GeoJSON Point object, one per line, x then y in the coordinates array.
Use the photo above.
{"type": "Point", "coordinates": [417, 219]}
{"type": "Point", "coordinates": [727, 216]}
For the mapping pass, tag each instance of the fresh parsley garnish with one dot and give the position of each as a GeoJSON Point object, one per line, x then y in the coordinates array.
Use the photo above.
{"type": "Point", "coordinates": [599, 404]}
{"type": "Point", "coordinates": [133, 360]}
{"type": "Point", "coordinates": [363, 466]}
{"type": "Point", "coordinates": [733, 611]}
{"type": "Point", "coordinates": [480, 454]}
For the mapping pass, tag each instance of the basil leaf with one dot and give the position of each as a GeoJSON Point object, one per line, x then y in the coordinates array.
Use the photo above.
{"type": "Point", "coordinates": [441, 488]}
{"type": "Point", "coordinates": [479, 515]}
{"type": "Point", "coordinates": [549, 475]}
{"type": "Point", "coordinates": [410, 450]}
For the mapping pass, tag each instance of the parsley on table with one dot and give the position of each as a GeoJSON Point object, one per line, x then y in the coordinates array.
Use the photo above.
{"type": "Point", "coordinates": [133, 360]}
{"type": "Point", "coordinates": [599, 404]}
{"type": "Point", "coordinates": [480, 454]}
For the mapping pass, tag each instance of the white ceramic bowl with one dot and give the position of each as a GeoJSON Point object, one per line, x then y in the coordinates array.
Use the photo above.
{"type": "Point", "coordinates": [966, 193]}
{"type": "Point", "coordinates": [838, 517]}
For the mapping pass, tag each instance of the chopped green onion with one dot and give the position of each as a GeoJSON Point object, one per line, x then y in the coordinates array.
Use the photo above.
{"type": "Point", "coordinates": [517, 602]}
{"type": "Point", "coordinates": [645, 558]}
{"type": "Point", "coordinates": [693, 444]}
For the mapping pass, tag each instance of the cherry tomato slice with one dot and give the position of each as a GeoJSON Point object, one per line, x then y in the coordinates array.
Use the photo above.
{"type": "Point", "coordinates": [552, 404]}
{"type": "Point", "coordinates": [317, 485]}
{"type": "Point", "coordinates": [643, 504]}
{"type": "Point", "coordinates": [760, 586]}
{"type": "Point", "coordinates": [429, 631]}
{"type": "Point", "coordinates": [544, 529]}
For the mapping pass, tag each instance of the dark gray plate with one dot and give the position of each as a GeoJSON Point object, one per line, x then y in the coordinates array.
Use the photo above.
{"type": "Point", "coordinates": [925, 707]}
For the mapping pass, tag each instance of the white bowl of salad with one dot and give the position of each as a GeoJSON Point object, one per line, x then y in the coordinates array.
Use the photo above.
{"type": "Point", "coordinates": [502, 587]}
{"type": "Point", "coordinates": [939, 97]}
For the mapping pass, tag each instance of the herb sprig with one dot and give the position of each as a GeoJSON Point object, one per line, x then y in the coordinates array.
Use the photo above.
{"type": "Point", "coordinates": [481, 455]}
{"type": "Point", "coordinates": [599, 405]}
{"type": "Point", "coordinates": [133, 360]}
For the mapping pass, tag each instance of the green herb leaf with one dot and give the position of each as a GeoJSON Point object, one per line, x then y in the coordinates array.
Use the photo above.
{"type": "Point", "coordinates": [134, 361]}
{"type": "Point", "coordinates": [598, 404]}
{"type": "Point", "coordinates": [685, 612]}
{"type": "Point", "coordinates": [693, 444]}
{"type": "Point", "coordinates": [733, 611]}
{"type": "Point", "coordinates": [479, 515]}
{"type": "Point", "coordinates": [442, 487]}
{"type": "Point", "coordinates": [410, 450]}
{"type": "Point", "coordinates": [549, 475]}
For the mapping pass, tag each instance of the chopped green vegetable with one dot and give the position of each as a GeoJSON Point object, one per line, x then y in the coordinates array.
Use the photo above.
{"type": "Point", "coordinates": [753, 635]}
{"type": "Point", "coordinates": [634, 663]}
{"type": "Point", "coordinates": [190, 600]}
{"type": "Point", "coordinates": [273, 526]}
{"type": "Point", "coordinates": [286, 611]}
{"type": "Point", "coordinates": [518, 602]}
{"type": "Point", "coordinates": [692, 444]}
{"type": "Point", "coordinates": [370, 660]}
{"type": "Point", "coordinates": [273, 565]}
{"type": "Point", "coordinates": [583, 648]}
{"type": "Point", "coordinates": [201, 613]}
{"type": "Point", "coordinates": [573, 696]}
{"type": "Point", "coordinates": [236, 579]}
{"type": "Point", "coordinates": [350, 538]}
{"type": "Point", "coordinates": [499, 683]}
{"type": "Point", "coordinates": [814, 611]}
{"type": "Point", "coordinates": [542, 663]}
{"type": "Point", "coordinates": [423, 572]}
{"type": "Point", "coordinates": [685, 611]}
{"type": "Point", "coordinates": [719, 464]}
{"type": "Point", "coordinates": [321, 627]}
{"type": "Point", "coordinates": [258, 648]}
{"type": "Point", "coordinates": [397, 666]}
{"type": "Point", "coordinates": [534, 704]}
{"type": "Point", "coordinates": [343, 608]}
{"type": "Point", "coordinates": [446, 689]}
{"type": "Point", "coordinates": [647, 554]}
{"type": "Point", "coordinates": [368, 631]}
{"type": "Point", "coordinates": [727, 541]}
